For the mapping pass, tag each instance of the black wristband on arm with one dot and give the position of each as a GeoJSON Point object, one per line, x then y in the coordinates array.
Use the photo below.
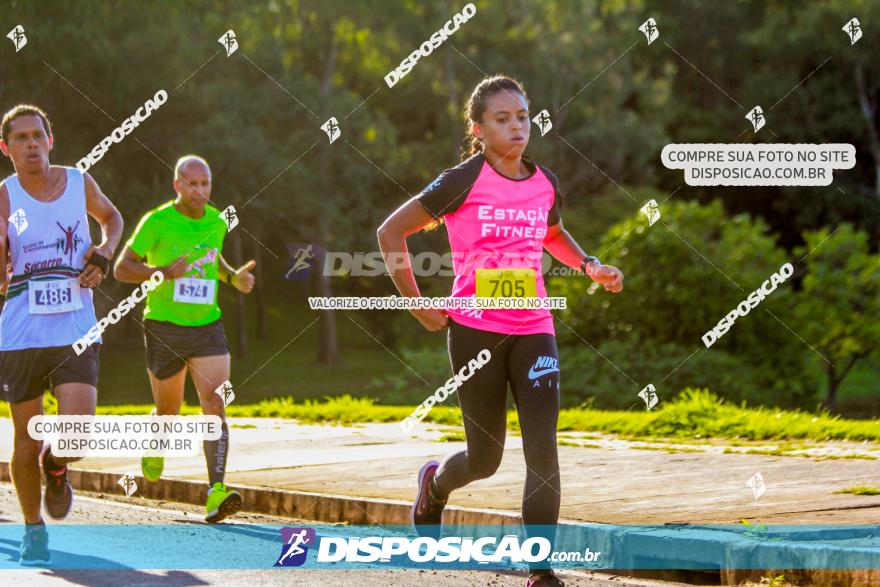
{"type": "Point", "coordinates": [99, 261]}
{"type": "Point", "coordinates": [589, 259]}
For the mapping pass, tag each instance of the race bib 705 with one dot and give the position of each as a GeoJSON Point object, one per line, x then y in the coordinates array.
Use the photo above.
{"type": "Point", "coordinates": [506, 283]}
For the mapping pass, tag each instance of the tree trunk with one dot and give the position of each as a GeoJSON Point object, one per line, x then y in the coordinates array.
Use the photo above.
{"type": "Point", "coordinates": [835, 378]}
{"type": "Point", "coordinates": [454, 106]}
{"type": "Point", "coordinates": [259, 284]}
{"type": "Point", "coordinates": [328, 348]}
{"type": "Point", "coordinates": [240, 309]}
{"type": "Point", "coordinates": [833, 384]}
{"type": "Point", "coordinates": [279, 38]}
{"type": "Point", "coordinates": [868, 105]}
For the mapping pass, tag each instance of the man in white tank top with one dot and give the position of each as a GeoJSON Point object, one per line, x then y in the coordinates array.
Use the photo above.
{"type": "Point", "coordinates": [44, 236]}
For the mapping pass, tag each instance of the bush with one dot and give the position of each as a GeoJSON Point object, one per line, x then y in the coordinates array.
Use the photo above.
{"type": "Point", "coordinates": [426, 369]}
{"type": "Point", "coordinates": [684, 274]}
{"type": "Point", "coordinates": [612, 377]}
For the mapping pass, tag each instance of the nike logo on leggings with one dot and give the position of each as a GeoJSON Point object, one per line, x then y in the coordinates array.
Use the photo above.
{"type": "Point", "coordinates": [543, 366]}
{"type": "Point", "coordinates": [541, 372]}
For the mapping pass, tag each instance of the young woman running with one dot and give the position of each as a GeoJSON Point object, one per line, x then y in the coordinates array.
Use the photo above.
{"type": "Point", "coordinates": [501, 209]}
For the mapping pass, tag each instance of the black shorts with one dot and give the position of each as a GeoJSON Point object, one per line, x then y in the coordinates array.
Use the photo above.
{"type": "Point", "coordinates": [25, 374]}
{"type": "Point", "coordinates": [169, 345]}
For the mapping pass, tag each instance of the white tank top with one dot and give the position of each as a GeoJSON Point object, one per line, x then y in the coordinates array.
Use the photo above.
{"type": "Point", "coordinates": [45, 306]}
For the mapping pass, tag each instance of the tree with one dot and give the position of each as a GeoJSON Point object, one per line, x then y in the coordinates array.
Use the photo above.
{"type": "Point", "coordinates": [683, 275]}
{"type": "Point", "coordinates": [839, 305]}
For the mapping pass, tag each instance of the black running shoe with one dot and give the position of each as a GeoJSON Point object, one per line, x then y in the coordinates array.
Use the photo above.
{"type": "Point", "coordinates": [58, 497]}
{"type": "Point", "coordinates": [544, 579]}
{"type": "Point", "coordinates": [34, 549]}
{"type": "Point", "coordinates": [427, 512]}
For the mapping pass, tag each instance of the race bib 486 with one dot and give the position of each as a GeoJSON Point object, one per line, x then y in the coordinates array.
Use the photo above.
{"type": "Point", "coordinates": [54, 297]}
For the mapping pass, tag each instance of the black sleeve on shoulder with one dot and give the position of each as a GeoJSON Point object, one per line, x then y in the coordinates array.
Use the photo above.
{"type": "Point", "coordinates": [555, 215]}
{"type": "Point", "coordinates": [448, 192]}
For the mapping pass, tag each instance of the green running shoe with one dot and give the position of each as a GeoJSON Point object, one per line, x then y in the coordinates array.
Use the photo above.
{"type": "Point", "coordinates": [222, 503]}
{"type": "Point", "coordinates": [152, 467]}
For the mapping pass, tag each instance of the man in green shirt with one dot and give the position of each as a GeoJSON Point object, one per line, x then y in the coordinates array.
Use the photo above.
{"type": "Point", "coordinates": [183, 239]}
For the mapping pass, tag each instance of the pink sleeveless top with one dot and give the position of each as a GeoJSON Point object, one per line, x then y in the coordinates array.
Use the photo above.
{"type": "Point", "coordinates": [495, 222]}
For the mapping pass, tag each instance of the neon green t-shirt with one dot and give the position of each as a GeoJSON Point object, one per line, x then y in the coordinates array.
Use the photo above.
{"type": "Point", "coordinates": [164, 234]}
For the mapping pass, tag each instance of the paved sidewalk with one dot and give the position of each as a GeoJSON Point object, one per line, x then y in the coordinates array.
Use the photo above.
{"type": "Point", "coordinates": [608, 481]}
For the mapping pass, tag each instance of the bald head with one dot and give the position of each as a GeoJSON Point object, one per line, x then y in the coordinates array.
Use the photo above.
{"type": "Point", "coordinates": [192, 182]}
{"type": "Point", "coordinates": [188, 161]}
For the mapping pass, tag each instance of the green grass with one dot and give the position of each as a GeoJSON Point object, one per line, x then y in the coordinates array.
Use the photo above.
{"type": "Point", "coordinates": [667, 449]}
{"type": "Point", "coordinates": [778, 452]}
{"type": "Point", "coordinates": [701, 414]}
{"type": "Point", "coordinates": [577, 444]}
{"type": "Point", "coordinates": [697, 414]}
{"type": "Point", "coordinates": [861, 490]}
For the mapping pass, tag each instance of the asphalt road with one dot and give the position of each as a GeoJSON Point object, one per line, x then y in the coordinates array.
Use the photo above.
{"type": "Point", "coordinates": [98, 509]}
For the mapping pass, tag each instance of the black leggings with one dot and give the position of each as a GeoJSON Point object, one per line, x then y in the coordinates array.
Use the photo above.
{"type": "Point", "coordinates": [529, 364]}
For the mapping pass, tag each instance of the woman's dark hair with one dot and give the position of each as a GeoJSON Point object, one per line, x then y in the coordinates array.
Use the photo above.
{"type": "Point", "coordinates": [476, 106]}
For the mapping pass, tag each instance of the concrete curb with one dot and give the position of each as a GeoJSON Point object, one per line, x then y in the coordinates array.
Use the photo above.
{"type": "Point", "coordinates": [318, 507]}
{"type": "Point", "coordinates": [707, 548]}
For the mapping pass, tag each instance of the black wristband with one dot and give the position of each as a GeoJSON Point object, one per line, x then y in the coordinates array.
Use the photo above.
{"type": "Point", "coordinates": [588, 259]}
{"type": "Point", "coordinates": [99, 261]}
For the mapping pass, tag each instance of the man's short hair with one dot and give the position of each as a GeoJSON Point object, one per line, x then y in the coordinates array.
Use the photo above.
{"type": "Point", "coordinates": [185, 160]}
{"type": "Point", "coordinates": [23, 110]}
